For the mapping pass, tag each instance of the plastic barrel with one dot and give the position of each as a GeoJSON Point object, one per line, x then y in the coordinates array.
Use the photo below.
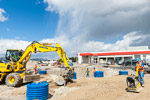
{"type": "Point", "coordinates": [95, 73]}
{"type": "Point", "coordinates": [123, 72]}
{"type": "Point", "coordinates": [42, 72]}
{"type": "Point", "coordinates": [74, 75]}
{"type": "Point", "coordinates": [38, 91]}
{"type": "Point", "coordinates": [99, 74]}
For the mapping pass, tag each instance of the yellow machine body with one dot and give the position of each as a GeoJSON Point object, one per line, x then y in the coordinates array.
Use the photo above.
{"type": "Point", "coordinates": [19, 58]}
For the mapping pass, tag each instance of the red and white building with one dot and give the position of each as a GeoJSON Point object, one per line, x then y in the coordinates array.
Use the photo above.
{"type": "Point", "coordinates": [142, 52]}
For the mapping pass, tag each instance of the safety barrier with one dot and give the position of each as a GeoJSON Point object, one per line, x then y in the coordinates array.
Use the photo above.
{"type": "Point", "coordinates": [99, 74]}
{"type": "Point", "coordinates": [39, 91]}
{"type": "Point", "coordinates": [42, 72]}
{"type": "Point", "coordinates": [123, 72]}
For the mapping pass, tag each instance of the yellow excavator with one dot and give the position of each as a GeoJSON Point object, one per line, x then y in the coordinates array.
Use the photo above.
{"type": "Point", "coordinates": [14, 71]}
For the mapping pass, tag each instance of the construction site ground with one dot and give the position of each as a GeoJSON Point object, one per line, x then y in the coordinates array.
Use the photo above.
{"type": "Point", "coordinates": [110, 87]}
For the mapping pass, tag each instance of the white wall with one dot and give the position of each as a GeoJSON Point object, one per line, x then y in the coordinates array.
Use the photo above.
{"type": "Point", "coordinates": [147, 58]}
{"type": "Point", "coordinates": [79, 59]}
{"type": "Point", "coordinates": [137, 56]}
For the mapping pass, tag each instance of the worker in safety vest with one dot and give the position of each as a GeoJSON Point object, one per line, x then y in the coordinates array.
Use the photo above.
{"type": "Point", "coordinates": [140, 71]}
{"type": "Point", "coordinates": [94, 69]}
{"type": "Point", "coordinates": [35, 69]}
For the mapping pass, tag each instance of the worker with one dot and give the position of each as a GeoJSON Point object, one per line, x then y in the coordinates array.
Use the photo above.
{"type": "Point", "coordinates": [139, 71]}
{"type": "Point", "coordinates": [94, 69]}
{"type": "Point", "coordinates": [87, 72]}
{"type": "Point", "coordinates": [60, 62]}
{"type": "Point", "coordinates": [15, 57]}
{"type": "Point", "coordinates": [35, 68]}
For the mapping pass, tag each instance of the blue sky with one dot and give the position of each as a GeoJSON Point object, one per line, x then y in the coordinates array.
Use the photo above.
{"type": "Point", "coordinates": [77, 25]}
{"type": "Point", "coordinates": [27, 20]}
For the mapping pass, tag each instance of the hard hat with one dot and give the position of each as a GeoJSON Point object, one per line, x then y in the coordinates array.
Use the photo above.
{"type": "Point", "coordinates": [137, 59]}
{"type": "Point", "coordinates": [94, 67]}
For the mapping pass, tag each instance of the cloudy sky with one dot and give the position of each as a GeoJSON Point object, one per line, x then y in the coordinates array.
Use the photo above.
{"type": "Point", "coordinates": [78, 25]}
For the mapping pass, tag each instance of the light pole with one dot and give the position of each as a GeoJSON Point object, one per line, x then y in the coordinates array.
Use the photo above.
{"type": "Point", "coordinates": [76, 50]}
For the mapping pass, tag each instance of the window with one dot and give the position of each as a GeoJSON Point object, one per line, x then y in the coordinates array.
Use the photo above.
{"type": "Point", "coordinates": [96, 60]}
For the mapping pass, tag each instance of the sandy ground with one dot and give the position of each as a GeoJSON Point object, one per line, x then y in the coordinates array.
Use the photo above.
{"type": "Point", "coordinates": [110, 87]}
{"type": "Point", "coordinates": [106, 89]}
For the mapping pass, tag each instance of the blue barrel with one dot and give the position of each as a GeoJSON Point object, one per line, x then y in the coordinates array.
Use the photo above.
{"type": "Point", "coordinates": [42, 72]}
{"type": "Point", "coordinates": [95, 73]}
{"type": "Point", "coordinates": [20, 72]}
{"type": "Point", "coordinates": [74, 75]}
{"type": "Point", "coordinates": [99, 74]}
{"type": "Point", "coordinates": [38, 91]}
{"type": "Point", "coordinates": [123, 72]}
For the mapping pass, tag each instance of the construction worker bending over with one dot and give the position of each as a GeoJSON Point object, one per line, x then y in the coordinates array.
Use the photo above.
{"type": "Point", "coordinates": [139, 71]}
{"type": "Point", "coordinates": [87, 72]}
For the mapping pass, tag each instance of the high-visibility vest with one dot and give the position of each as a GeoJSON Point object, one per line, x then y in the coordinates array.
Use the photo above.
{"type": "Point", "coordinates": [94, 70]}
{"type": "Point", "coordinates": [139, 66]}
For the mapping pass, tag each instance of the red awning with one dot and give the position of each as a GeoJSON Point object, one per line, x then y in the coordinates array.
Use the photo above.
{"type": "Point", "coordinates": [115, 53]}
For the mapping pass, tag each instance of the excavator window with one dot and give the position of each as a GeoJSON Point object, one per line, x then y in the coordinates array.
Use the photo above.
{"type": "Point", "coordinates": [13, 55]}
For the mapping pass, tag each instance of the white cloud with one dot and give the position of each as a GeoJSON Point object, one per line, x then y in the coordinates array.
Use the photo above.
{"type": "Point", "coordinates": [17, 38]}
{"type": "Point", "coordinates": [91, 21]}
{"type": "Point", "coordinates": [2, 17]}
{"type": "Point", "coordinates": [71, 46]}
{"type": "Point", "coordinates": [100, 19]}
{"type": "Point", "coordinates": [12, 44]}
{"type": "Point", "coordinates": [120, 45]}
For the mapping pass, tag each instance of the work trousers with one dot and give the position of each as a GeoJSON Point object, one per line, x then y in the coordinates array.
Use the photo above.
{"type": "Point", "coordinates": [140, 77]}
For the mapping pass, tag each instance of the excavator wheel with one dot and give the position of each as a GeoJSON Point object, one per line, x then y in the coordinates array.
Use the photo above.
{"type": "Point", "coordinates": [13, 80]}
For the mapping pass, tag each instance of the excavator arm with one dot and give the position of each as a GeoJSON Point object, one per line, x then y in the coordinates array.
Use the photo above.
{"type": "Point", "coordinates": [35, 47]}
{"type": "Point", "coordinates": [14, 71]}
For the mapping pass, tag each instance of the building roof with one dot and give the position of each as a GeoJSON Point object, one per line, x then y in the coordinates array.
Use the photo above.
{"type": "Point", "coordinates": [115, 53]}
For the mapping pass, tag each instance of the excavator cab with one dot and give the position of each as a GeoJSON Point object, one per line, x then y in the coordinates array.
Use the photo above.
{"type": "Point", "coordinates": [13, 55]}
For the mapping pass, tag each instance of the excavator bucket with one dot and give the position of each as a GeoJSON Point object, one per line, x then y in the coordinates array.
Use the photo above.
{"type": "Point", "coordinates": [60, 81]}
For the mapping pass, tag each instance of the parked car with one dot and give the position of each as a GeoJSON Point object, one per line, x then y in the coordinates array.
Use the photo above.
{"type": "Point", "coordinates": [120, 62]}
{"type": "Point", "coordinates": [129, 63]}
